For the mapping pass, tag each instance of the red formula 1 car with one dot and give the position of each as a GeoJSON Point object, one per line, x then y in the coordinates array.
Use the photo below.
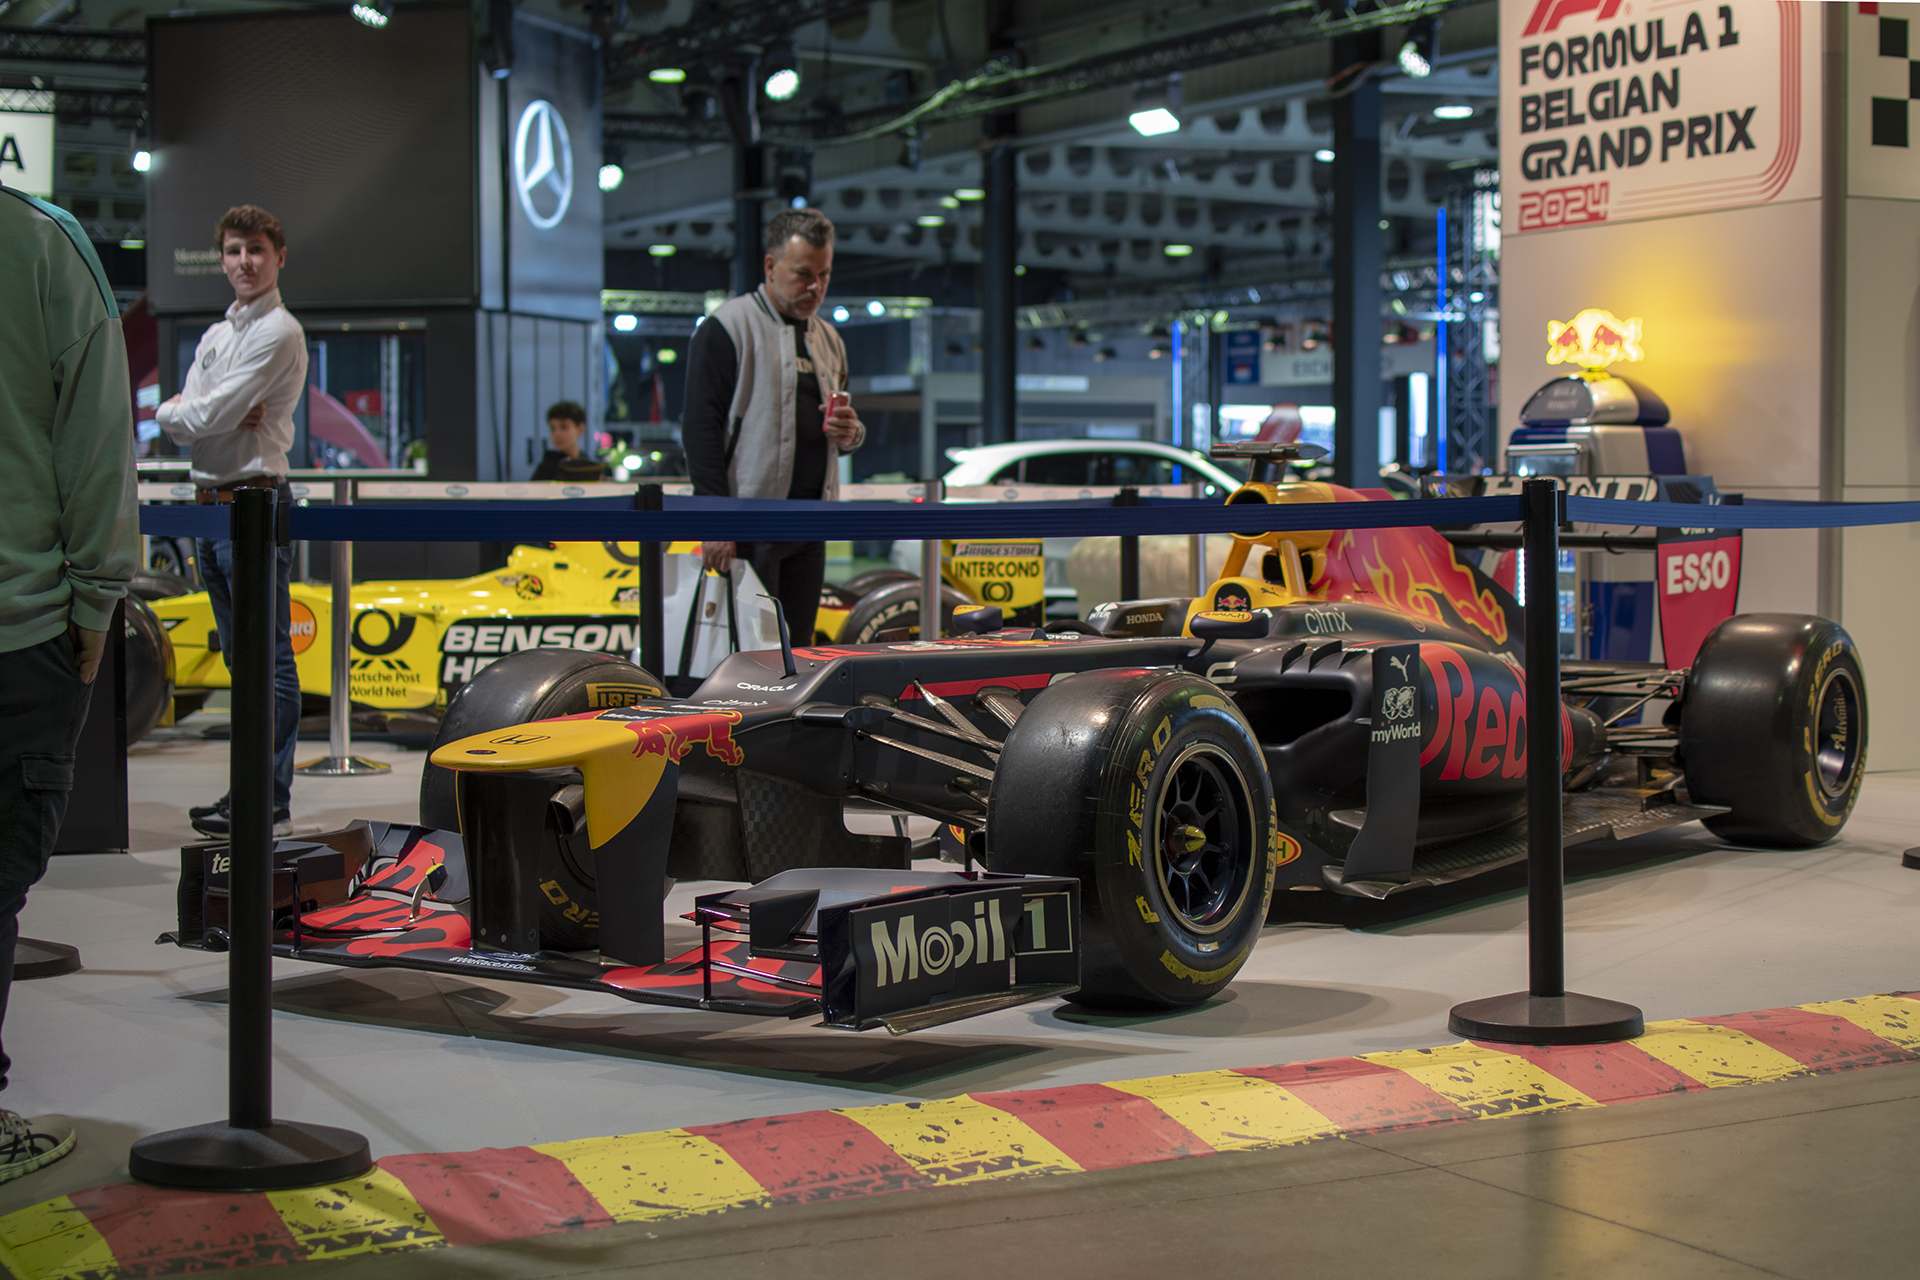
{"type": "Point", "coordinates": [1342, 710]}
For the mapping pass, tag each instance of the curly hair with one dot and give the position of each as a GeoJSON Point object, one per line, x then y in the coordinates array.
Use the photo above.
{"type": "Point", "coordinates": [568, 411]}
{"type": "Point", "coordinates": [246, 221]}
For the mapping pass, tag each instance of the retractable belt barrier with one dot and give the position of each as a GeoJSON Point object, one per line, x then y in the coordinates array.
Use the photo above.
{"type": "Point", "coordinates": [254, 1150]}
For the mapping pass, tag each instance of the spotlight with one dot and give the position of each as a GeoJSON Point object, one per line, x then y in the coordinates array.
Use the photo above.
{"type": "Point", "coordinates": [624, 323]}
{"type": "Point", "coordinates": [1020, 269]}
{"type": "Point", "coordinates": [373, 13]}
{"type": "Point", "coordinates": [955, 349]}
{"type": "Point", "coordinates": [840, 315]}
{"type": "Point", "coordinates": [1036, 343]}
{"type": "Point", "coordinates": [931, 220]}
{"type": "Point", "coordinates": [1178, 250]}
{"type": "Point", "coordinates": [1452, 111]}
{"type": "Point", "coordinates": [631, 461]}
{"type": "Point", "coordinates": [1154, 105]}
{"type": "Point", "coordinates": [1157, 351]}
{"type": "Point", "coordinates": [662, 250]}
{"type": "Point", "coordinates": [611, 176]}
{"type": "Point", "coordinates": [970, 193]}
{"type": "Point", "coordinates": [949, 202]}
{"type": "Point", "coordinates": [1324, 156]}
{"type": "Point", "coordinates": [666, 355]}
{"type": "Point", "coordinates": [133, 244]}
{"type": "Point", "coordinates": [782, 71]}
{"type": "Point", "coordinates": [667, 75]}
{"type": "Point", "coordinates": [1154, 121]}
{"type": "Point", "coordinates": [1418, 49]}
{"type": "Point", "coordinates": [142, 161]}
{"type": "Point", "coordinates": [876, 308]}
{"type": "Point", "coordinates": [1077, 338]}
{"type": "Point", "coordinates": [1106, 353]}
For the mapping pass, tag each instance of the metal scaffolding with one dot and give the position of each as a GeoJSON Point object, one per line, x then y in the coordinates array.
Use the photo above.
{"type": "Point", "coordinates": [1473, 307]}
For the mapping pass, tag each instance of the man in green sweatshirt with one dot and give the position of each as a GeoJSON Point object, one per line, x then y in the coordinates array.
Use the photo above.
{"type": "Point", "coordinates": [69, 541]}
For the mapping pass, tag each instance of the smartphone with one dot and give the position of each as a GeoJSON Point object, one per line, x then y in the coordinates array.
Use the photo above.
{"type": "Point", "coordinates": [835, 402]}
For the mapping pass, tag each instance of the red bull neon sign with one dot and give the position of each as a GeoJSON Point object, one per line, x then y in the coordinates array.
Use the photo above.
{"type": "Point", "coordinates": [1593, 339]}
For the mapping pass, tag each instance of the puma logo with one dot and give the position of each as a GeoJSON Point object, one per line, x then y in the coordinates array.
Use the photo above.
{"type": "Point", "coordinates": [1400, 663]}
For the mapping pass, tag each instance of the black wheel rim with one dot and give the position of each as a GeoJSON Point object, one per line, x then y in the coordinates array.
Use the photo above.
{"type": "Point", "coordinates": [1203, 839]}
{"type": "Point", "coordinates": [1837, 733]}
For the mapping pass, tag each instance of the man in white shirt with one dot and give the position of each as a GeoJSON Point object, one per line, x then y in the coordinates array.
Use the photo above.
{"type": "Point", "coordinates": [236, 411]}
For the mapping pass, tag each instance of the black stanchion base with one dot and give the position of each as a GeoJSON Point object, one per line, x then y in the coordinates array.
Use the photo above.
{"type": "Point", "coordinates": [33, 958]}
{"type": "Point", "coordinates": [1911, 858]}
{"type": "Point", "coordinates": [1524, 1018]}
{"type": "Point", "coordinates": [219, 1157]}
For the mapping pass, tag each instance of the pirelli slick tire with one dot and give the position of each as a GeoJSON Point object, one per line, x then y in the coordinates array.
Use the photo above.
{"type": "Point", "coordinates": [539, 684]}
{"type": "Point", "coordinates": [894, 607]}
{"type": "Point", "coordinates": [1150, 788]}
{"type": "Point", "coordinates": [149, 670]}
{"type": "Point", "coordinates": [159, 584]}
{"type": "Point", "coordinates": [873, 579]}
{"type": "Point", "coordinates": [1773, 724]}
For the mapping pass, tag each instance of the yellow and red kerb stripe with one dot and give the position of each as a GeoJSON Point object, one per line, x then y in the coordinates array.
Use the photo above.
{"type": "Point", "coordinates": [478, 1197]}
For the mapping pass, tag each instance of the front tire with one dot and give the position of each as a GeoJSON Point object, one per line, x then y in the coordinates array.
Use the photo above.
{"type": "Point", "coordinates": [1150, 788]}
{"type": "Point", "coordinates": [894, 607]}
{"type": "Point", "coordinates": [539, 684]}
{"type": "Point", "coordinates": [1773, 725]}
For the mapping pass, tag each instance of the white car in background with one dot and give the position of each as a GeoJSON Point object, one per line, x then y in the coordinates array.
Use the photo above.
{"type": "Point", "coordinates": [1155, 469]}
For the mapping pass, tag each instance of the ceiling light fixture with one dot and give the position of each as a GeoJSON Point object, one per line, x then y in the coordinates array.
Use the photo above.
{"type": "Point", "coordinates": [142, 161]}
{"type": "Point", "coordinates": [970, 193]}
{"type": "Point", "coordinates": [611, 176]}
{"type": "Point", "coordinates": [1324, 156]}
{"type": "Point", "coordinates": [1420, 47]}
{"type": "Point", "coordinates": [1452, 111]}
{"type": "Point", "coordinates": [667, 75]}
{"type": "Point", "coordinates": [662, 250]}
{"type": "Point", "coordinates": [624, 323]}
{"type": "Point", "coordinates": [373, 13]}
{"type": "Point", "coordinates": [1178, 250]}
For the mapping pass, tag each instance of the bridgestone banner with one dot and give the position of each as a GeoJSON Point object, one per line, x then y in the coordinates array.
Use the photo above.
{"type": "Point", "coordinates": [1621, 109]}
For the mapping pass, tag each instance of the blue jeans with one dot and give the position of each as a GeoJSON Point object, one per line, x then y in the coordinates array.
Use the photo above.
{"type": "Point", "coordinates": [216, 571]}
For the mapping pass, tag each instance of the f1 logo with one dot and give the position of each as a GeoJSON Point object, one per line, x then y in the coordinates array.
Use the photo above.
{"type": "Point", "coordinates": [1548, 13]}
{"type": "Point", "coordinates": [543, 163]}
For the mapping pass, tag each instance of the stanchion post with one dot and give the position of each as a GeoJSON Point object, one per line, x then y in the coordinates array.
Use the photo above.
{"type": "Point", "coordinates": [653, 644]}
{"type": "Point", "coordinates": [1197, 550]}
{"type": "Point", "coordinates": [340, 762]}
{"type": "Point", "coordinates": [250, 1150]}
{"type": "Point", "coordinates": [1545, 1013]}
{"type": "Point", "coordinates": [1129, 548]}
{"type": "Point", "coordinates": [931, 623]}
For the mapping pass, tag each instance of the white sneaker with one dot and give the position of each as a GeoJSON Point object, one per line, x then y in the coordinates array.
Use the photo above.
{"type": "Point", "coordinates": [27, 1145]}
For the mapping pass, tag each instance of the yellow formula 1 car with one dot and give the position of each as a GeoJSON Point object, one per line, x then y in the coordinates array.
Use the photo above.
{"type": "Point", "coordinates": [416, 643]}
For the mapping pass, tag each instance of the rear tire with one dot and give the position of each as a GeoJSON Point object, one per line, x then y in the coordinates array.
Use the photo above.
{"type": "Point", "coordinates": [1773, 725]}
{"type": "Point", "coordinates": [149, 670]}
{"type": "Point", "coordinates": [1150, 788]}
{"type": "Point", "coordinates": [873, 579]}
{"type": "Point", "coordinates": [539, 684]}
{"type": "Point", "coordinates": [893, 608]}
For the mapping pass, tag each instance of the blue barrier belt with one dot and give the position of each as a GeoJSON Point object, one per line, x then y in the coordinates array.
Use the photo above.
{"type": "Point", "coordinates": [729, 519]}
{"type": "Point", "coordinates": [1749, 515]}
{"type": "Point", "coordinates": [787, 521]}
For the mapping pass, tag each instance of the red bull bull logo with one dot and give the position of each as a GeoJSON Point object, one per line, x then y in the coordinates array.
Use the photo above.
{"type": "Point", "coordinates": [1593, 339]}
{"type": "Point", "coordinates": [672, 737]}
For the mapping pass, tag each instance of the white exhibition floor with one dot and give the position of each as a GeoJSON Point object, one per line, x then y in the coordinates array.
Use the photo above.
{"type": "Point", "coordinates": [1675, 922]}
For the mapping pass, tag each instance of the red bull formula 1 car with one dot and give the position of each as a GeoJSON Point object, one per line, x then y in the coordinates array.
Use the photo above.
{"type": "Point", "coordinates": [1342, 711]}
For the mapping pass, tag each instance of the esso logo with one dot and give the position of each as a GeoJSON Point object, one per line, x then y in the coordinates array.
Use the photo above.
{"type": "Point", "coordinates": [1711, 571]}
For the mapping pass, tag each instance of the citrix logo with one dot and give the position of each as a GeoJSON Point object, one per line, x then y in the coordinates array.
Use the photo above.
{"type": "Point", "coordinates": [907, 952]}
{"type": "Point", "coordinates": [1547, 14]}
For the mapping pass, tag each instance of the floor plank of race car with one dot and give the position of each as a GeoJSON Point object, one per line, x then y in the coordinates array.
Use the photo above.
{"type": "Point", "coordinates": [1674, 921]}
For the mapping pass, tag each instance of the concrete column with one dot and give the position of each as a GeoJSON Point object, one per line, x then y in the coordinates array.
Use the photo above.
{"type": "Point", "coordinates": [1356, 267]}
{"type": "Point", "coordinates": [999, 350]}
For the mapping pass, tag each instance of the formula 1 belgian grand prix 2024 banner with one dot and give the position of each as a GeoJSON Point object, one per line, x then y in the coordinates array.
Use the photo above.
{"type": "Point", "coordinates": [1622, 109]}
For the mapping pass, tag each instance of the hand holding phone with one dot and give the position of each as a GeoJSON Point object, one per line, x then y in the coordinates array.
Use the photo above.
{"type": "Point", "coordinates": [835, 402]}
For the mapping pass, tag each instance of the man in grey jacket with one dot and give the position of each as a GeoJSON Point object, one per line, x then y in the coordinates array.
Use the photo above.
{"type": "Point", "coordinates": [761, 373]}
{"type": "Point", "coordinates": [69, 542]}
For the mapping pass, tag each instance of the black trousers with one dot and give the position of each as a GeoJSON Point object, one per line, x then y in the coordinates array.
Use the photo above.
{"type": "Point", "coordinates": [792, 573]}
{"type": "Point", "coordinates": [42, 705]}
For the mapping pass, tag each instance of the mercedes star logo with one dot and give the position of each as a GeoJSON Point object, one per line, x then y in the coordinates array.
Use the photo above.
{"type": "Point", "coordinates": [543, 164]}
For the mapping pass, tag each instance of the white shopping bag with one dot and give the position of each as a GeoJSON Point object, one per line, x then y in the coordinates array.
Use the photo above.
{"type": "Point", "coordinates": [707, 616]}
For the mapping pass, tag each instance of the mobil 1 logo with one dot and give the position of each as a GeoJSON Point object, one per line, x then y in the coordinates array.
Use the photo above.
{"type": "Point", "coordinates": [470, 646]}
{"type": "Point", "coordinates": [925, 950]}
